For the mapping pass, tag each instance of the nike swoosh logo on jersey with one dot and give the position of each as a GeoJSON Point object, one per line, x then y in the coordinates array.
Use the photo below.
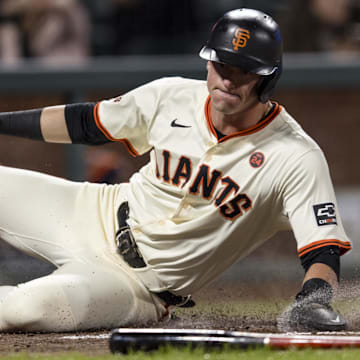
{"type": "Point", "coordinates": [174, 123]}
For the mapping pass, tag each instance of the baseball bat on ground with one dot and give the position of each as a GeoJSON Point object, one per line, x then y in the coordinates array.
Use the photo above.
{"type": "Point", "coordinates": [124, 340]}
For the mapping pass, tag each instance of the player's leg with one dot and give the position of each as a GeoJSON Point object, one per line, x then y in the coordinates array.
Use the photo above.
{"type": "Point", "coordinates": [72, 224]}
{"type": "Point", "coordinates": [36, 213]}
{"type": "Point", "coordinates": [79, 296]}
{"type": "Point", "coordinates": [5, 290]}
{"type": "Point", "coordinates": [55, 219]}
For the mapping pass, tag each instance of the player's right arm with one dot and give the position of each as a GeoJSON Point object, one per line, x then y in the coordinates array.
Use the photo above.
{"type": "Point", "coordinates": [125, 119]}
{"type": "Point", "coordinates": [60, 124]}
{"type": "Point", "coordinates": [53, 125]}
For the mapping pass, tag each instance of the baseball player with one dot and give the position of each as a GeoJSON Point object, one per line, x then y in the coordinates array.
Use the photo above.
{"type": "Point", "coordinates": [228, 169]}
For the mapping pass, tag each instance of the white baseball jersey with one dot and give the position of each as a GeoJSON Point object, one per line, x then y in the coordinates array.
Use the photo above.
{"type": "Point", "coordinates": [202, 203]}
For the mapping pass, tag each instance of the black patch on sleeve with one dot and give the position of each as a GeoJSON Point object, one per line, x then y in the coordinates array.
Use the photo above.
{"type": "Point", "coordinates": [81, 124]}
{"type": "Point", "coordinates": [325, 214]}
{"type": "Point", "coordinates": [328, 255]}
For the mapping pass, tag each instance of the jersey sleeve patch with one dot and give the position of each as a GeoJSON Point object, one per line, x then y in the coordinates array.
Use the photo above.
{"type": "Point", "coordinates": [325, 214]}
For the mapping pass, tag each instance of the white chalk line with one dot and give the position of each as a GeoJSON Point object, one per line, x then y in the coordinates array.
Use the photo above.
{"type": "Point", "coordinates": [325, 333]}
{"type": "Point", "coordinates": [84, 337]}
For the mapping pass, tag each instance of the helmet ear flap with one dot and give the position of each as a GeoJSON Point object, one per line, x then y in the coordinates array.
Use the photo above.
{"type": "Point", "coordinates": [267, 85]}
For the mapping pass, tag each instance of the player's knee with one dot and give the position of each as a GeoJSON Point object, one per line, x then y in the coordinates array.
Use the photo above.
{"type": "Point", "coordinates": [17, 314]}
{"type": "Point", "coordinates": [24, 312]}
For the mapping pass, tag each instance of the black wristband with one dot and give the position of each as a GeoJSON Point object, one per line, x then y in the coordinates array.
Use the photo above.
{"type": "Point", "coordinates": [316, 290]}
{"type": "Point", "coordinates": [22, 123]}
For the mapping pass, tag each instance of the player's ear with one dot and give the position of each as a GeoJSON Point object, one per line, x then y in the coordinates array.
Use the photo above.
{"type": "Point", "coordinates": [207, 65]}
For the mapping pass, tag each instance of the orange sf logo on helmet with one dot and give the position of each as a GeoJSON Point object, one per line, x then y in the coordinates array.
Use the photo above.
{"type": "Point", "coordinates": [241, 37]}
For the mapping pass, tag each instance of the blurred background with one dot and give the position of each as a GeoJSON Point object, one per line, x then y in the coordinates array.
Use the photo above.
{"type": "Point", "coordinates": [62, 51]}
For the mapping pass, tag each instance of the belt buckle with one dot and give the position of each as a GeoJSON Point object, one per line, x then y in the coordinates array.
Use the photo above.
{"type": "Point", "coordinates": [127, 248]}
{"type": "Point", "coordinates": [123, 240]}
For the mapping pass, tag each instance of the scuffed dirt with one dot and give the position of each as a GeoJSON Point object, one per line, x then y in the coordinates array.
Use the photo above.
{"type": "Point", "coordinates": [214, 314]}
{"type": "Point", "coordinates": [93, 343]}
{"type": "Point", "coordinates": [52, 343]}
{"type": "Point", "coordinates": [228, 308]}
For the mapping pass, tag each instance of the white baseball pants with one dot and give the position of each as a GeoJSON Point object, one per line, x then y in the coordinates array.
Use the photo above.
{"type": "Point", "coordinates": [73, 226]}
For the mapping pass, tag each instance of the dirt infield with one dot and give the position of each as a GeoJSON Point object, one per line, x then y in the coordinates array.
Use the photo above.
{"type": "Point", "coordinates": [93, 344]}
{"type": "Point", "coordinates": [230, 308]}
{"type": "Point", "coordinates": [224, 311]}
{"type": "Point", "coordinates": [97, 342]}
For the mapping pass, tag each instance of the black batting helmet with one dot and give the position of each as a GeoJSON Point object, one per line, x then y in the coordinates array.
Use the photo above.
{"type": "Point", "coordinates": [249, 39]}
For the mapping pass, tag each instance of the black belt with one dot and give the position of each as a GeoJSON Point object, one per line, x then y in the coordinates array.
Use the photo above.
{"type": "Point", "coordinates": [128, 249]}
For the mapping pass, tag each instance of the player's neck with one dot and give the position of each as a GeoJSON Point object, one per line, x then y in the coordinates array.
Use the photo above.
{"type": "Point", "coordinates": [246, 119]}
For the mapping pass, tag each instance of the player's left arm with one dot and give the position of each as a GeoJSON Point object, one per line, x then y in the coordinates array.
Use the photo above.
{"type": "Point", "coordinates": [312, 308]}
{"type": "Point", "coordinates": [322, 273]}
{"type": "Point", "coordinates": [324, 264]}
{"type": "Point", "coordinates": [321, 240]}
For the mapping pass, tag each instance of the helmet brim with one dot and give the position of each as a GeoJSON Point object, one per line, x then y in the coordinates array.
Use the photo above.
{"type": "Point", "coordinates": [249, 64]}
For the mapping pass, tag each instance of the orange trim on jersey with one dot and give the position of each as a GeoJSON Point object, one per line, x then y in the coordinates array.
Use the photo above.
{"type": "Point", "coordinates": [208, 116]}
{"type": "Point", "coordinates": [260, 125]}
{"type": "Point", "coordinates": [102, 128]}
{"type": "Point", "coordinates": [344, 246]}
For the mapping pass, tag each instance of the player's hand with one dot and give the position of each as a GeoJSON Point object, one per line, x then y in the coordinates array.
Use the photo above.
{"type": "Point", "coordinates": [312, 311]}
{"type": "Point", "coordinates": [309, 315]}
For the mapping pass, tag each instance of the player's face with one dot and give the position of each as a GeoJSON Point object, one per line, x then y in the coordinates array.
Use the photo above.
{"type": "Point", "coordinates": [231, 88]}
